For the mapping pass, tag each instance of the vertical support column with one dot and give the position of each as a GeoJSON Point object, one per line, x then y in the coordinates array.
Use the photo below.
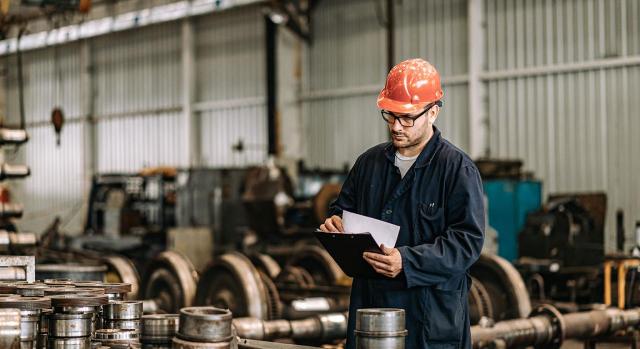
{"type": "Point", "coordinates": [477, 114]}
{"type": "Point", "coordinates": [271, 36]}
{"type": "Point", "coordinates": [391, 49]}
{"type": "Point", "coordinates": [87, 97]}
{"type": "Point", "coordinates": [190, 128]}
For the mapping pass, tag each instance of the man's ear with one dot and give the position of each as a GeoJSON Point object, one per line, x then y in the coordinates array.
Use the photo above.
{"type": "Point", "coordinates": [433, 113]}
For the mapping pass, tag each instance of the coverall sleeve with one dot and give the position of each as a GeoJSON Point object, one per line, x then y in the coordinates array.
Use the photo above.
{"type": "Point", "coordinates": [347, 198]}
{"type": "Point", "coordinates": [458, 247]}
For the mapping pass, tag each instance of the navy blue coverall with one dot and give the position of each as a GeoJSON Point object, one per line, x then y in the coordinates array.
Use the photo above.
{"type": "Point", "coordinates": [439, 207]}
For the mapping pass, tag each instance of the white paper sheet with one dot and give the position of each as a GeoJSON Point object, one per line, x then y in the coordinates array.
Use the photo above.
{"type": "Point", "coordinates": [381, 231]}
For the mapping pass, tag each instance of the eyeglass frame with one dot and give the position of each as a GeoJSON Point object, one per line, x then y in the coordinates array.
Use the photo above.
{"type": "Point", "coordinates": [400, 118]}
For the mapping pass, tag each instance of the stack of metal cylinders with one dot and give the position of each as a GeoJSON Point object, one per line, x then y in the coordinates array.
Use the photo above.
{"type": "Point", "coordinates": [380, 328]}
{"type": "Point", "coordinates": [43, 329]}
{"type": "Point", "coordinates": [203, 328]}
{"type": "Point", "coordinates": [158, 330]}
{"type": "Point", "coordinates": [117, 338]}
{"type": "Point", "coordinates": [72, 323]}
{"type": "Point", "coordinates": [122, 315]}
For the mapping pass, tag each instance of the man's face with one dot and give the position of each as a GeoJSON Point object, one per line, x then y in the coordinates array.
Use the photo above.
{"type": "Point", "coordinates": [407, 137]}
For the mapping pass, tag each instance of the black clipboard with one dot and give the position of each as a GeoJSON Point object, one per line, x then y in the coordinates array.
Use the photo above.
{"type": "Point", "coordinates": [347, 250]}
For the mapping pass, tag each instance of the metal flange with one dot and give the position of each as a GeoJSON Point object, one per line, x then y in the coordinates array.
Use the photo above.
{"type": "Point", "coordinates": [205, 324]}
{"type": "Point", "coordinates": [26, 303]}
{"type": "Point", "coordinates": [122, 310]}
{"type": "Point", "coordinates": [159, 328]}
{"type": "Point", "coordinates": [70, 325]}
{"type": "Point", "coordinates": [558, 323]}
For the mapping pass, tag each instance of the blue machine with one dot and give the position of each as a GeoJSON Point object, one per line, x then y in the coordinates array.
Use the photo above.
{"type": "Point", "coordinates": [509, 203]}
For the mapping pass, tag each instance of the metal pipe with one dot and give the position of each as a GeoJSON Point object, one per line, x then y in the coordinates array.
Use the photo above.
{"type": "Point", "coordinates": [318, 327]}
{"type": "Point", "coordinates": [549, 328]}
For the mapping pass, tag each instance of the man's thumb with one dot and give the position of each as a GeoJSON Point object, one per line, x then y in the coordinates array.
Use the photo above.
{"type": "Point", "coordinates": [385, 249]}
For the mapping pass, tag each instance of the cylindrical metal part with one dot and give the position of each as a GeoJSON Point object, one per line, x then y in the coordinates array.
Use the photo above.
{"type": "Point", "coordinates": [150, 306]}
{"type": "Point", "coordinates": [205, 324]}
{"type": "Point", "coordinates": [159, 328]}
{"type": "Point", "coordinates": [116, 336]}
{"type": "Point", "coordinates": [70, 325]}
{"type": "Point", "coordinates": [76, 309]}
{"type": "Point", "coordinates": [179, 343]}
{"type": "Point", "coordinates": [380, 328]}
{"type": "Point", "coordinates": [122, 324]}
{"type": "Point", "coordinates": [41, 342]}
{"type": "Point", "coordinates": [32, 290]}
{"type": "Point", "coordinates": [122, 310]}
{"type": "Point", "coordinates": [70, 343]}
{"type": "Point", "coordinates": [10, 328]}
{"type": "Point", "coordinates": [29, 320]}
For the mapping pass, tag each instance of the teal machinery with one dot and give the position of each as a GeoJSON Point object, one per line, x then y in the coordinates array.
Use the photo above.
{"type": "Point", "coordinates": [511, 195]}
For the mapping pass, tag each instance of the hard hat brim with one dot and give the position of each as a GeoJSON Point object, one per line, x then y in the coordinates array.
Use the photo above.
{"type": "Point", "coordinates": [393, 106]}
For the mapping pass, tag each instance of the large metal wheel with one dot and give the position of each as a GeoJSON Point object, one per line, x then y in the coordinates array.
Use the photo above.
{"type": "Point", "coordinates": [170, 280]}
{"type": "Point", "coordinates": [480, 304]}
{"type": "Point", "coordinates": [121, 270]}
{"type": "Point", "coordinates": [232, 282]}
{"type": "Point", "coordinates": [503, 283]}
{"type": "Point", "coordinates": [316, 261]}
{"type": "Point", "coordinates": [265, 264]}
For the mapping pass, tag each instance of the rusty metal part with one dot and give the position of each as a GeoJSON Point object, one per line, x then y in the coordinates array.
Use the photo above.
{"type": "Point", "coordinates": [232, 282]}
{"type": "Point", "coordinates": [15, 242]}
{"type": "Point", "coordinates": [116, 336]}
{"type": "Point", "coordinates": [298, 276]}
{"type": "Point", "coordinates": [324, 327]}
{"type": "Point", "coordinates": [503, 283]}
{"type": "Point", "coordinates": [266, 264]}
{"type": "Point", "coordinates": [149, 306]}
{"type": "Point", "coordinates": [75, 300]}
{"type": "Point", "coordinates": [122, 324]}
{"type": "Point", "coordinates": [274, 305]}
{"type": "Point", "coordinates": [10, 328]}
{"type": "Point", "coordinates": [170, 281]}
{"type": "Point", "coordinates": [159, 328]}
{"type": "Point", "coordinates": [122, 310]}
{"type": "Point", "coordinates": [31, 290]}
{"type": "Point", "coordinates": [547, 328]}
{"type": "Point", "coordinates": [70, 325]}
{"type": "Point", "coordinates": [9, 266]}
{"type": "Point", "coordinates": [69, 343]}
{"type": "Point", "coordinates": [76, 309]}
{"type": "Point", "coordinates": [205, 324]}
{"type": "Point", "coordinates": [25, 303]}
{"type": "Point", "coordinates": [479, 302]}
{"type": "Point", "coordinates": [107, 287]}
{"type": "Point", "coordinates": [59, 282]}
{"type": "Point", "coordinates": [62, 289]}
{"type": "Point", "coordinates": [318, 263]}
{"type": "Point", "coordinates": [122, 270]}
{"type": "Point", "coordinates": [256, 344]}
{"type": "Point", "coordinates": [71, 271]}
{"type": "Point", "coordinates": [321, 201]}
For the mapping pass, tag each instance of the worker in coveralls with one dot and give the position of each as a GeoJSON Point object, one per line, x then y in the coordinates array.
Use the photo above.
{"type": "Point", "coordinates": [433, 191]}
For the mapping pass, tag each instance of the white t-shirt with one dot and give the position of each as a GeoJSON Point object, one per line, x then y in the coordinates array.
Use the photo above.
{"type": "Point", "coordinates": [404, 163]}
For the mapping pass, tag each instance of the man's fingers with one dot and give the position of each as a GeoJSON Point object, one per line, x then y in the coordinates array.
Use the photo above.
{"type": "Point", "coordinates": [379, 266]}
{"type": "Point", "coordinates": [337, 222]}
{"type": "Point", "coordinates": [323, 228]}
{"type": "Point", "coordinates": [377, 257]}
{"type": "Point", "coordinates": [329, 225]}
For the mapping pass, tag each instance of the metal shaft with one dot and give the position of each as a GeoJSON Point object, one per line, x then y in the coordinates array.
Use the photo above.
{"type": "Point", "coordinates": [319, 327]}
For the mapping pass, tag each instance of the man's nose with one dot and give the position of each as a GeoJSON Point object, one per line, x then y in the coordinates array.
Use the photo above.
{"type": "Point", "coordinates": [396, 126]}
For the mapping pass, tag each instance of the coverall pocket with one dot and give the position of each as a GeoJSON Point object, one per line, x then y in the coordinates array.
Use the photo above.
{"type": "Point", "coordinates": [430, 222]}
{"type": "Point", "coordinates": [444, 316]}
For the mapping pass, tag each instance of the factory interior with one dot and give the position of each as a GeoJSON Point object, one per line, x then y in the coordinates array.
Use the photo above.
{"type": "Point", "coordinates": [172, 172]}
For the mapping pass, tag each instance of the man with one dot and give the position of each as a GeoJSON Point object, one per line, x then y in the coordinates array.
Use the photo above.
{"type": "Point", "coordinates": [433, 191]}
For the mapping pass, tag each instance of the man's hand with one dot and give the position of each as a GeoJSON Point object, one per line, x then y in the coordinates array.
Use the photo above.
{"type": "Point", "coordinates": [332, 224]}
{"type": "Point", "coordinates": [389, 264]}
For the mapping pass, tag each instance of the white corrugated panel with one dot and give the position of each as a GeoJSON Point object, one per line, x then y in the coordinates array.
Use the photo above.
{"type": "Point", "coordinates": [348, 51]}
{"type": "Point", "coordinates": [51, 77]}
{"type": "Point", "coordinates": [55, 187]}
{"type": "Point", "coordinates": [138, 70]}
{"type": "Point", "coordinates": [234, 136]}
{"type": "Point", "coordinates": [132, 143]}
{"type": "Point", "coordinates": [574, 130]}
{"type": "Point", "coordinates": [436, 30]}
{"type": "Point", "coordinates": [230, 61]}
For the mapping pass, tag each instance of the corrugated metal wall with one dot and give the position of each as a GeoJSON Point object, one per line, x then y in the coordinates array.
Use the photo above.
{"type": "Point", "coordinates": [56, 184]}
{"type": "Point", "coordinates": [346, 68]}
{"type": "Point", "coordinates": [576, 130]}
{"type": "Point", "coordinates": [136, 79]}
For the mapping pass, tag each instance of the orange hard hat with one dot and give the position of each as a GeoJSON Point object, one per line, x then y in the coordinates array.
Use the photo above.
{"type": "Point", "coordinates": [411, 86]}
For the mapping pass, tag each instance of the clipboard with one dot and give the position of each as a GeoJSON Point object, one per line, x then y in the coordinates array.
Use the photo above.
{"type": "Point", "coordinates": [347, 250]}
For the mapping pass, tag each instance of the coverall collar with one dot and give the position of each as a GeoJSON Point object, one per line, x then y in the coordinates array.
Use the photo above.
{"type": "Point", "coordinates": [425, 155]}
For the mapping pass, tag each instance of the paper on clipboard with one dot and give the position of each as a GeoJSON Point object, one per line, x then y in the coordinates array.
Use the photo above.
{"type": "Point", "coordinates": [382, 232]}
